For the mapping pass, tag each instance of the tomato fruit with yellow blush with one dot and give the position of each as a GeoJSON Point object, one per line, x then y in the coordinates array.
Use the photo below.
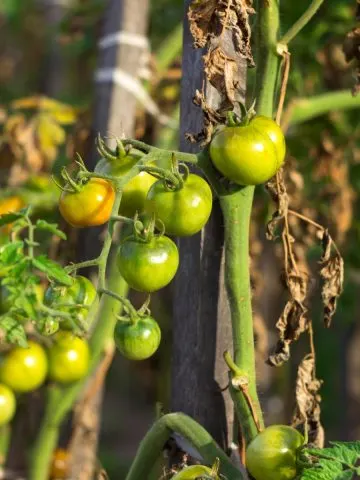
{"type": "Point", "coordinates": [90, 206]}
{"type": "Point", "coordinates": [136, 189]}
{"type": "Point", "coordinates": [272, 454]}
{"type": "Point", "coordinates": [249, 154]}
{"type": "Point", "coordinates": [7, 405]}
{"type": "Point", "coordinates": [69, 358]}
{"type": "Point", "coordinates": [24, 369]}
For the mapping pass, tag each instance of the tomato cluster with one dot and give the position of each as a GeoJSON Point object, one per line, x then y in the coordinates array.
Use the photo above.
{"type": "Point", "coordinates": [249, 153]}
{"type": "Point", "coordinates": [24, 370]}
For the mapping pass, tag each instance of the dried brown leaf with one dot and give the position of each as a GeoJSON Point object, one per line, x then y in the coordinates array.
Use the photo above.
{"type": "Point", "coordinates": [308, 400]}
{"type": "Point", "coordinates": [277, 191]}
{"type": "Point", "coordinates": [351, 47]}
{"type": "Point", "coordinates": [290, 325]}
{"type": "Point", "coordinates": [332, 274]}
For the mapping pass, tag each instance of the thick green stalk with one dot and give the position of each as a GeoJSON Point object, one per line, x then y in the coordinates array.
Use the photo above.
{"type": "Point", "coordinates": [153, 444]}
{"type": "Point", "coordinates": [236, 209]}
{"type": "Point", "coordinates": [303, 109]}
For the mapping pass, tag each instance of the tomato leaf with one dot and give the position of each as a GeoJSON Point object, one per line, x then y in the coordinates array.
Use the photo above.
{"type": "Point", "coordinates": [11, 253]}
{"type": "Point", "coordinates": [50, 227]}
{"type": "Point", "coordinates": [8, 218]}
{"type": "Point", "coordinates": [334, 463]}
{"type": "Point", "coordinates": [14, 331]}
{"type": "Point", "coordinates": [52, 269]}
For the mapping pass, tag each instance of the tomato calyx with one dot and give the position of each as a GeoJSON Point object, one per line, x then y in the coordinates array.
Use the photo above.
{"type": "Point", "coordinates": [233, 120]}
{"type": "Point", "coordinates": [132, 316]}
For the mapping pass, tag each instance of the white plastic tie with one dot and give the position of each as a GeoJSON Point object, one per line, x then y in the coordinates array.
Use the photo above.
{"type": "Point", "coordinates": [125, 38]}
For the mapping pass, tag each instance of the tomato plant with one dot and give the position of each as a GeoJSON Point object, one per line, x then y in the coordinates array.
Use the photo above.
{"type": "Point", "coordinates": [7, 404]}
{"type": "Point", "coordinates": [249, 154]}
{"type": "Point", "coordinates": [69, 358]}
{"type": "Point", "coordinates": [138, 338]}
{"type": "Point", "coordinates": [89, 204]}
{"type": "Point", "coordinates": [135, 191]}
{"type": "Point", "coordinates": [272, 453]}
{"type": "Point", "coordinates": [24, 369]}
{"type": "Point", "coordinates": [62, 297]}
{"type": "Point", "coordinates": [148, 265]}
{"type": "Point", "coordinates": [183, 209]}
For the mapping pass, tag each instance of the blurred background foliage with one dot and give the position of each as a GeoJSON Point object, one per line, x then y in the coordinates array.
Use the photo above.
{"type": "Point", "coordinates": [47, 62]}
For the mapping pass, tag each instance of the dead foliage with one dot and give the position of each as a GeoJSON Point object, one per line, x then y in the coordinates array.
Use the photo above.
{"type": "Point", "coordinates": [221, 27]}
{"type": "Point", "coordinates": [351, 48]}
{"type": "Point", "coordinates": [307, 409]}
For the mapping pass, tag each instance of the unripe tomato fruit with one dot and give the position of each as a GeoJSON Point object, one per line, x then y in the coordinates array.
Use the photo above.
{"type": "Point", "coordinates": [90, 206]}
{"type": "Point", "coordinates": [249, 154]}
{"type": "Point", "coordinates": [69, 358]}
{"type": "Point", "coordinates": [195, 472]}
{"type": "Point", "coordinates": [24, 369]}
{"type": "Point", "coordinates": [7, 405]}
{"type": "Point", "coordinates": [135, 191]}
{"type": "Point", "coordinates": [150, 265]}
{"type": "Point", "coordinates": [137, 340]}
{"type": "Point", "coordinates": [271, 455]}
{"type": "Point", "coordinates": [81, 292]}
{"type": "Point", "coordinates": [60, 464]}
{"type": "Point", "coordinates": [184, 211]}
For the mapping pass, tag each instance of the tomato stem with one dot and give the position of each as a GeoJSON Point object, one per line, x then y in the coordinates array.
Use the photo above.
{"type": "Point", "coordinates": [153, 443]}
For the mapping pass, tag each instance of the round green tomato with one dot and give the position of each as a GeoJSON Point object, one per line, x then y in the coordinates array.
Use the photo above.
{"type": "Point", "coordinates": [248, 154]}
{"type": "Point", "coordinates": [183, 212]}
{"type": "Point", "coordinates": [82, 291]}
{"type": "Point", "coordinates": [7, 405]}
{"type": "Point", "coordinates": [195, 472]}
{"type": "Point", "coordinates": [24, 369]}
{"type": "Point", "coordinates": [137, 340]}
{"type": "Point", "coordinates": [135, 191]}
{"type": "Point", "coordinates": [148, 266]}
{"type": "Point", "coordinates": [272, 129]}
{"type": "Point", "coordinates": [69, 358]}
{"type": "Point", "coordinates": [271, 455]}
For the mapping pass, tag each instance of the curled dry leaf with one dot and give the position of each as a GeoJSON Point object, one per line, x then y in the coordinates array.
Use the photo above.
{"type": "Point", "coordinates": [332, 274]}
{"type": "Point", "coordinates": [211, 117]}
{"type": "Point", "coordinates": [277, 191]}
{"type": "Point", "coordinates": [290, 325]}
{"type": "Point", "coordinates": [308, 400]}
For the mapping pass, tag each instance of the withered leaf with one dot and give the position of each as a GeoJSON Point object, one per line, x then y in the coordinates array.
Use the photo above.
{"type": "Point", "coordinates": [308, 400]}
{"type": "Point", "coordinates": [277, 191]}
{"type": "Point", "coordinates": [290, 325]}
{"type": "Point", "coordinates": [351, 47]}
{"type": "Point", "coordinates": [332, 274]}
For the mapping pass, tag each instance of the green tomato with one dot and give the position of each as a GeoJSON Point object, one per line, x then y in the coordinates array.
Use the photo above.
{"type": "Point", "coordinates": [135, 191]}
{"type": "Point", "coordinates": [69, 358]}
{"type": "Point", "coordinates": [82, 291]}
{"type": "Point", "coordinates": [7, 405]}
{"type": "Point", "coordinates": [137, 340]}
{"type": "Point", "coordinates": [150, 265]}
{"type": "Point", "coordinates": [271, 129]}
{"type": "Point", "coordinates": [195, 472]}
{"type": "Point", "coordinates": [184, 211]}
{"type": "Point", "coordinates": [24, 369]}
{"type": "Point", "coordinates": [271, 455]}
{"type": "Point", "coordinates": [249, 154]}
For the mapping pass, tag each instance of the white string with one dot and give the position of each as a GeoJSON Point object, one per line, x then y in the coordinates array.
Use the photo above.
{"type": "Point", "coordinates": [122, 37]}
{"type": "Point", "coordinates": [134, 86]}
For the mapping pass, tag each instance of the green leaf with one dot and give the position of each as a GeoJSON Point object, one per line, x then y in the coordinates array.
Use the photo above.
{"type": "Point", "coordinates": [14, 331]}
{"type": "Point", "coordinates": [8, 218]}
{"type": "Point", "coordinates": [11, 253]}
{"type": "Point", "coordinates": [52, 270]}
{"type": "Point", "coordinates": [50, 227]}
